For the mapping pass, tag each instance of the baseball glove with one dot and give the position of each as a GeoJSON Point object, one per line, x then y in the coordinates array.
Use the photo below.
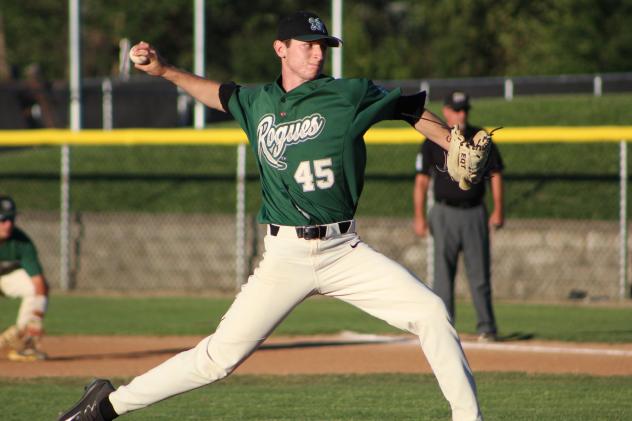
{"type": "Point", "coordinates": [467, 159]}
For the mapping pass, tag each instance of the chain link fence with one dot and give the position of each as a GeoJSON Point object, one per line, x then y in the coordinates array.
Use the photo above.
{"type": "Point", "coordinates": [162, 218]}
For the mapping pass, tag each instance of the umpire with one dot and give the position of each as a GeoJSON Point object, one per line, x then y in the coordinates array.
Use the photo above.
{"type": "Point", "coordinates": [458, 220]}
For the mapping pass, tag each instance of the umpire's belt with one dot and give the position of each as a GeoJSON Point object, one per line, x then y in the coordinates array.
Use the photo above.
{"type": "Point", "coordinates": [313, 232]}
{"type": "Point", "coordinates": [463, 204]}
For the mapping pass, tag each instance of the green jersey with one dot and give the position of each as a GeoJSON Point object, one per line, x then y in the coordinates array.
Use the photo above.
{"type": "Point", "coordinates": [309, 145]}
{"type": "Point", "coordinates": [18, 251]}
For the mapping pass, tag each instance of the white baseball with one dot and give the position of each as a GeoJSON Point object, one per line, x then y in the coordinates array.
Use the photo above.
{"type": "Point", "coordinates": [137, 59]}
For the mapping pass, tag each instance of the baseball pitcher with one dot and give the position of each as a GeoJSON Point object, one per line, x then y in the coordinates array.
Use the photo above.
{"type": "Point", "coordinates": [306, 131]}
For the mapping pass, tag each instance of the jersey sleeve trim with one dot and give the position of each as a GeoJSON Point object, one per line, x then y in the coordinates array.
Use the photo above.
{"type": "Point", "coordinates": [410, 107]}
{"type": "Point", "coordinates": [226, 90]}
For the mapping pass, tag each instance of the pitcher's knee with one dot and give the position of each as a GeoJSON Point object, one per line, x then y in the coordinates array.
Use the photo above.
{"type": "Point", "coordinates": [204, 367]}
{"type": "Point", "coordinates": [216, 360]}
{"type": "Point", "coordinates": [432, 313]}
{"type": "Point", "coordinates": [212, 371]}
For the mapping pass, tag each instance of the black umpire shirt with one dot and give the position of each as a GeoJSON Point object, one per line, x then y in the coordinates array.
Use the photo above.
{"type": "Point", "coordinates": [431, 161]}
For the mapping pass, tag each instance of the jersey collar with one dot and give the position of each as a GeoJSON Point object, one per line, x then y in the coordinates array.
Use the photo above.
{"type": "Point", "coordinates": [307, 86]}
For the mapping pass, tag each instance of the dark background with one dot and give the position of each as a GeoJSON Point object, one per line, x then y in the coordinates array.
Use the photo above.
{"type": "Point", "coordinates": [144, 101]}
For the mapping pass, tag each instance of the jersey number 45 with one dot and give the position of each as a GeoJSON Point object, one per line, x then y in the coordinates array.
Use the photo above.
{"type": "Point", "coordinates": [312, 174]}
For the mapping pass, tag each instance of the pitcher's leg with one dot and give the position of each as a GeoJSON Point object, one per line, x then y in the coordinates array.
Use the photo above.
{"type": "Point", "coordinates": [185, 371]}
{"type": "Point", "coordinates": [263, 302]}
{"type": "Point", "coordinates": [385, 289]}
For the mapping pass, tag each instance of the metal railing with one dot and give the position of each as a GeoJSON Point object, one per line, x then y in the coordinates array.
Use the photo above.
{"type": "Point", "coordinates": [121, 103]}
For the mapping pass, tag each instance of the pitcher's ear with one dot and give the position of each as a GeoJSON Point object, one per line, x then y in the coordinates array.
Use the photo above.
{"type": "Point", "coordinates": [279, 48]}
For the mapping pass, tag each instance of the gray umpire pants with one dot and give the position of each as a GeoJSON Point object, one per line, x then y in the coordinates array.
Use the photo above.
{"type": "Point", "coordinates": [456, 230]}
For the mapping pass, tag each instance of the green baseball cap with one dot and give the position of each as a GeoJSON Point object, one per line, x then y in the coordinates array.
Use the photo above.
{"type": "Point", "coordinates": [7, 207]}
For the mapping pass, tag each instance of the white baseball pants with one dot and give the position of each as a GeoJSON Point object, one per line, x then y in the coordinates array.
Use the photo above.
{"type": "Point", "coordinates": [292, 269]}
{"type": "Point", "coordinates": [18, 284]}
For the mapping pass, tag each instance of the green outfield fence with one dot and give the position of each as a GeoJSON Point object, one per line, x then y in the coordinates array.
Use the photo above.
{"type": "Point", "coordinates": [174, 209]}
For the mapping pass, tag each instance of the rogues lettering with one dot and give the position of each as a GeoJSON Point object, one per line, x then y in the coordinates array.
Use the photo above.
{"type": "Point", "coordinates": [273, 139]}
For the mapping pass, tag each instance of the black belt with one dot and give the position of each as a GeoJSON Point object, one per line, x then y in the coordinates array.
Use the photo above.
{"type": "Point", "coordinates": [9, 266]}
{"type": "Point", "coordinates": [463, 204]}
{"type": "Point", "coordinates": [312, 232]}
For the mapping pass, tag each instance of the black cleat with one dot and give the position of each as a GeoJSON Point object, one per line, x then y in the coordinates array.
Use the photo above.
{"type": "Point", "coordinates": [87, 409]}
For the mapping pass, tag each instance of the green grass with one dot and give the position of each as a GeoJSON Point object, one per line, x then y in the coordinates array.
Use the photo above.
{"type": "Point", "coordinates": [550, 180]}
{"type": "Point", "coordinates": [531, 193]}
{"type": "Point", "coordinates": [532, 189]}
{"type": "Point", "coordinates": [546, 110]}
{"type": "Point", "coordinates": [141, 192]}
{"type": "Point", "coordinates": [348, 397]}
{"type": "Point", "coordinates": [551, 110]}
{"type": "Point", "coordinates": [515, 396]}
{"type": "Point", "coordinates": [539, 110]}
{"type": "Point", "coordinates": [543, 180]}
{"type": "Point", "coordinates": [199, 316]}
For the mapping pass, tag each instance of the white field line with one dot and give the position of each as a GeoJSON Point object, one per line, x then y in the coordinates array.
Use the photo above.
{"type": "Point", "coordinates": [494, 346]}
{"type": "Point", "coordinates": [546, 349]}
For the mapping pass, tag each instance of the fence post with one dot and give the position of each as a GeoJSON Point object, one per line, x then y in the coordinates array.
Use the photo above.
{"type": "Point", "coordinates": [425, 86]}
{"type": "Point", "coordinates": [183, 102]}
{"type": "Point", "coordinates": [336, 53]}
{"type": "Point", "coordinates": [597, 85]}
{"type": "Point", "coordinates": [623, 226]}
{"type": "Point", "coordinates": [199, 23]}
{"type": "Point", "coordinates": [240, 218]}
{"type": "Point", "coordinates": [106, 104]}
{"type": "Point", "coordinates": [74, 11]}
{"type": "Point", "coordinates": [64, 226]}
{"type": "Point", "coordinates": [509, 89]}
{"type": "Point", "coordinates": [124, 60]}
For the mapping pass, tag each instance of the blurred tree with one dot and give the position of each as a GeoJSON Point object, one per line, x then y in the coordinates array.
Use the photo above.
{"type": "Point", "coordinates": [5, 69]}
{"type": "Point", "coordinates": [383, 39]}
{"type": "Point", "coordinates": [564, 36]}
{"type": "Point", "coordinates": [35, 32]}
{"type": "Point", "coordinates": [166, 23]}
{"type": "Point", "coordinates": [247, 53]}
{"type": "Point", "coordinates": [615, 54]}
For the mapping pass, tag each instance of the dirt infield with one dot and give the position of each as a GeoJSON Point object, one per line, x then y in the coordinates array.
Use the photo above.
{"type": "Point", "coordinates": [123, 356]}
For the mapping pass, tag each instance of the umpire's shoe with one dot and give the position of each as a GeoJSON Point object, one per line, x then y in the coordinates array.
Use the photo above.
{"type": "Point", "coordinates": [90, 407]}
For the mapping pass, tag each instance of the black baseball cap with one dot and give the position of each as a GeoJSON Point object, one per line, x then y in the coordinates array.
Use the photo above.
{"type": "Point", "coordinates": [305, 26]}
{"type": "Point", "coordinates": [7, 207]}
{"type": "Point", "coordinates": [458, 100]}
